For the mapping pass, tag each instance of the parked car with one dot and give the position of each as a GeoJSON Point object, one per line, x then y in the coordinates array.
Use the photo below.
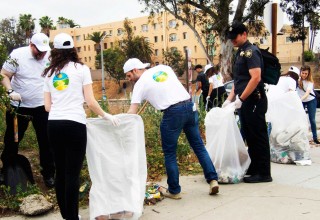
{"type": "Point", "coordinates": [228, 86]}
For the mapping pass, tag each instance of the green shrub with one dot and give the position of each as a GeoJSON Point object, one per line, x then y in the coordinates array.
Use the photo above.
{"type": "Point", "coordinates": [308, 56]}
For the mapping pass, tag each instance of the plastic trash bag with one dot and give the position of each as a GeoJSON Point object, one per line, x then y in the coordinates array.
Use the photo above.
{"type": "Point", "coordinates": [288, 137]}
{"type": "Point", "coordinates": [225, 145]}
{"type": "Point", "coordinates": [117, 166]}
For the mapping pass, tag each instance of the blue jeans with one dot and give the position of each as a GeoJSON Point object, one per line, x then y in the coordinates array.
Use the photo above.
{"type": "Point", "coordinates": [312, 108]}
{"type": "Point", "coordinates": [176, 118]}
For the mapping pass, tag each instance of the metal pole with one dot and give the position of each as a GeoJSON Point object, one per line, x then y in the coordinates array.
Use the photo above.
{"type": "Point", "coordinates": [274, 28]}
{"type": "Point", "coordinates": [102, 69]}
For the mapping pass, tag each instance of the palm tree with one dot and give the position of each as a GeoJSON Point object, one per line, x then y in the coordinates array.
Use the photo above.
{"type": "Point", "coordinates": [96, 37]}
{"type": "Point", "coordinates": [71, 23]}
{"type": "Point", "coordinates": [26, 23]}
{"type": "Point", "coordinates": [46, 24]}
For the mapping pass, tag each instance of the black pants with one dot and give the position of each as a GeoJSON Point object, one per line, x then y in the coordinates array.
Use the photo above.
{"type": "Point", "coordinates": [68, 140]}
{"type": "Point", "coordinates": [217, 97]}
{"type": "Point", "coordinates": [39, 118]}
{"type": "Point", "coordinates": [254, 125]}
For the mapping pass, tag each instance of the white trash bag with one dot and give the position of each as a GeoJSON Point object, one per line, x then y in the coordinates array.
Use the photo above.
{"type": "Point", "coordinates": [288, 138]}
{"type": "Point", "coordinates": [225, 145]}
{"type": "Point", "coordinates": [117, 166]}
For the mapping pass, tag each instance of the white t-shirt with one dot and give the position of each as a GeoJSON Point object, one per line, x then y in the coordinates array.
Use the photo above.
{"type": "Point", "coordinates": [216, 80]}
{"type": "Point", "coordinates": [286, 83]}
{"type": "Point", "coordinates": [66, 89]}
{"type": "Point", "coordinates": [160, 86]}
{"type": "Point", "coordinates": [306, 85]}
{"type": "Point", "coordinates": [27, 79]}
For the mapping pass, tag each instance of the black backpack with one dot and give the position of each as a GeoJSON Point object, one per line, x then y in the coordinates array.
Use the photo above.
{"type": "Point", "coordinates": [272, 67]}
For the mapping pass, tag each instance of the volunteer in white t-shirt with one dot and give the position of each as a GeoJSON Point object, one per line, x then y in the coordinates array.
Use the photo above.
{"type": "Point", "coordinates": [160, 86]}
{"type": "Point", "coordinates": [67, 85]}
{"type": "Point", "coordinates": [307, 96]}
{"type": "Point", "coordinates": [289, 81]}
{"type": "Point", "coordinates": [23, 82]}
{"type": "Point", "coordinates": [217, 92]}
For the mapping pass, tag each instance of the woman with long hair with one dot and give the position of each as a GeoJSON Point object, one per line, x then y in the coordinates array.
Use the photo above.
{"type": "Point", "coordinates": [306, 93]}
{"type": "Point", "coordinates": [67, 85]}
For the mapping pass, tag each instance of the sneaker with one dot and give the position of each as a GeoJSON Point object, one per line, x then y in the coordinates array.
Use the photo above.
{"type": "Point", "coordinates": [316, 141]}
{"type": "Point", "coordinates": [79, 217]}
{"type": "Point", "coordinates": [214, 187]}
{"type": "Point", "coordinates": [165, 192]}
{"type": "Point", "coordinates": [257, 179]}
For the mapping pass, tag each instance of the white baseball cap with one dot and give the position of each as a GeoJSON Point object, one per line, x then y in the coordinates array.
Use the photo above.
{"type": "Point", "coordinates": [134, 63]}
{"type": "Point", "coordinates": [41, 41]}
{"type": "Point", "coordinates": [208, 66]}
{"type": "Point", "coordinates": [294, 69]}
{"type": "Point", "coordinates": [63, 41]}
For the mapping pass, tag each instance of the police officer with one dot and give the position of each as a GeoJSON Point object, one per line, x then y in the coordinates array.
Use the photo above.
{"type": "Point", "coordinates": [251, 102]}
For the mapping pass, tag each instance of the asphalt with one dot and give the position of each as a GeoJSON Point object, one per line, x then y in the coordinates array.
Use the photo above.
{"type": "Point", "coordinates": [293, 194]}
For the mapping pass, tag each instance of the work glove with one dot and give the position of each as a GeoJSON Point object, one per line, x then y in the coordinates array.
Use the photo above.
{"type": "Point", "coordinates": [208, 98]}
{"type": "Point", "coordinates": [226, 103]}
{"type": "Point", "coordinates": [115, 121]}
{"type": "Point", "coordinates": [15, 96]}
{"type": "Point", "coordinates": [238, 102]}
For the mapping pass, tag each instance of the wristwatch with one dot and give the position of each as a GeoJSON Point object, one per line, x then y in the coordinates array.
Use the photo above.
{"type": "Point", "coordinates": [10, 91]}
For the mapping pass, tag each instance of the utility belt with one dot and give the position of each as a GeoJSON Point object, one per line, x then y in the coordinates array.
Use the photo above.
{"type": "Point", "coordinates": [257, 94]}
{"type": "Point", "coordinates": [179, 103]}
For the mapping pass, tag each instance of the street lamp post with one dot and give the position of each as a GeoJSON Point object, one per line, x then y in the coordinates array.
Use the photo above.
{"type": "Point", "coordinates": [102, 68]}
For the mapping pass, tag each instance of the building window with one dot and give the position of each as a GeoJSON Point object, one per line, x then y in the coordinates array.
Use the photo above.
{"type": "Point", "coordinates": [78, 49]}
{"type": "Point", "coordinates": [105, 46]}
{"type": "Point", "coordinates": [195, 49]}
{"type": "Point", "coordinates": [155, 26]}
{"type": "Point", "coordinates": [144, 28]}
{"type": "Point", "coordinates": [89, 59]}
{"type": "Point", "coordinates": [184, 34]}
{"type": "Point", "coordinates": [172, 23]}
{"type": "Point", "coordinates": [110, 32]}
{"type": "Point", "coordinates": [78, 38]}
{"type": "Point", "coordinates": [120, 31]}
{"type": "Point", "coordinates": [111, 44]}
{"type": "Point", "coordinates": [185, 48]}
{"type": "Point", "coordinates": [173, 37]}
{"type": "Point", "coordinates": [288, 40]}
{"type": "Point", "coordinates": [161, 37]}
{"type": "Point", "coordinates": [84, 37]}
{"type": "Point", "coordinates": [85, 59]}
{"type": "Point", "coordinates": [147, 39]}
{"type": "Point", "coordinates": [85, 48]}
{"type": "Point", "coordinates": [156, 52]}
{"type": "Point", "coordinates": [88, 47]}
{"type": "Point", "coordinates": [155, 39]}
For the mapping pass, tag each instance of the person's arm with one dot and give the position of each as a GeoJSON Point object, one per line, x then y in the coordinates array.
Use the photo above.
{"type": "Point", "coordinates": [91, 101]}
{"type": "Point", "coordinates": [6, 79]}
{"type": "Point", "coordinates": [133, 108]}
{"type": "Point", "coordinates": [255, 74]}
{"type": "Point", "coordinates": [47, 101]}
{"type": "Point", "coordinates": [306, 94]}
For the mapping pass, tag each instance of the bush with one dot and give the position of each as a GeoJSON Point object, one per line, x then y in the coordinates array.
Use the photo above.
{"type": "Point", "coordinates": [308, 56]}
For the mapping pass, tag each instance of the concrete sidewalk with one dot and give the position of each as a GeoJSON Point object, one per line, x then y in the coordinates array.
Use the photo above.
{"type": "Point", "coordinates": [293, 194]}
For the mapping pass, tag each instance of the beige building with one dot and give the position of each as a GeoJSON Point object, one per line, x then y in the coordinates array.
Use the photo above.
{"type": "Point", "coordinates": [164, 31]}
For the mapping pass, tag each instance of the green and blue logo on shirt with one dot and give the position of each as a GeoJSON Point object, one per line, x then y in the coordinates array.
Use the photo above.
{"type": "Point", "coordinates": [160, 76]}
{"type": "Point", "coordinates": [61, 81]}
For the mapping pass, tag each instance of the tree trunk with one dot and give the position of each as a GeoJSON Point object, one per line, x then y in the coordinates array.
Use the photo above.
{"type": "Point", "coordinates": [226, 52]}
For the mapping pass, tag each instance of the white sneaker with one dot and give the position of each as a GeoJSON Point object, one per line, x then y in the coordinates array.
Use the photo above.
{"type": "Point", "coordinates": [79, 216]}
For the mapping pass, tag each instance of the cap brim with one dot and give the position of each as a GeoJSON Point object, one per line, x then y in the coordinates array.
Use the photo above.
{"type": "Point", "coordinates": [43, 48]}
{"type": "Point", "coordinates": [232, 36]}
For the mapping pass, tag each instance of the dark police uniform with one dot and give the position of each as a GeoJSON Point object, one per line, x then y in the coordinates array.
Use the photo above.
{"type": "Point", "coordinates": [252, 112]}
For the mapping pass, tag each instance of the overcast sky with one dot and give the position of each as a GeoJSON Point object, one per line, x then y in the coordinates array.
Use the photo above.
{"type": "Point", "coordinates": [82, 12]}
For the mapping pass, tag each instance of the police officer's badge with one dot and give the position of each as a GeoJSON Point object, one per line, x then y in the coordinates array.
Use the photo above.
{"type": "Point", "coordinates": [248, 53]}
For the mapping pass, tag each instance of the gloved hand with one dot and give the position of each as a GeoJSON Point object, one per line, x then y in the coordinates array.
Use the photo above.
{"type": "Point", "coordinates": [15, 96]}
{"type": "Point", "coordinates": [208, 98]}
{"type": "Point", "coordinates": [238, 102]}
{"type": "Point", "coordinates": [226, 103]}
{"type": "Point", "coordinates": [115, 121]}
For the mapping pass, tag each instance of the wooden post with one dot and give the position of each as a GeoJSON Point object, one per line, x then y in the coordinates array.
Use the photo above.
{"type": "Point", "coordinates": [274, 28]}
